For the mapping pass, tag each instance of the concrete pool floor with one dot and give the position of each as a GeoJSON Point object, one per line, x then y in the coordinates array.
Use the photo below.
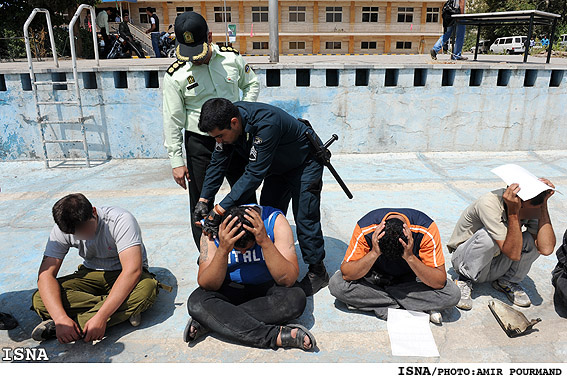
{"type": "Point", "coordinates": [440, 184]}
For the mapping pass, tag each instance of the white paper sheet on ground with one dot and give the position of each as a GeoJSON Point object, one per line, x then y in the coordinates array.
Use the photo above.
{"type": "Point", "coordinates": [410, 334]}
{"type": "Point", "coordinates": [530, 185]}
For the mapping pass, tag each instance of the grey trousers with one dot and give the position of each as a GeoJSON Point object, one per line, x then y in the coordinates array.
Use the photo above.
{"type": "Point", "coordinates": [414, 295]}
{"type": "Point", "coordinates": [475, 259]}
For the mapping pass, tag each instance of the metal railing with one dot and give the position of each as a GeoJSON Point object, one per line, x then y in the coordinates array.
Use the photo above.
{"type": "Point", "coordinates": [42, 119]}
{"type": "Point", "coordinates": [72, 33]}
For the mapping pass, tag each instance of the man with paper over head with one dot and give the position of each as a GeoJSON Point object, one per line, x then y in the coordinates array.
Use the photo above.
{"type": "Point", "coordinates": [500, 235]}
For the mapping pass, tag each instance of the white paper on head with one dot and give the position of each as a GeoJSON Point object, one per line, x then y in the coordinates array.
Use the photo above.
{"type": "Point", "coordinates": [410, 334]}
{"type": "Point", "coordinates": [530, 185]}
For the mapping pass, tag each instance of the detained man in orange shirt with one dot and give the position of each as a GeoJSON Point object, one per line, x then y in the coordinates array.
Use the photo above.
{"type": "Point", "coordinates": [395, 260]}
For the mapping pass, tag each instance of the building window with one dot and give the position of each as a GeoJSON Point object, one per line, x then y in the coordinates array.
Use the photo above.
{"type": "Point", "coordinates": [260, 45]}
{"type": "Point", "coordinates": [220, 13]}
{"type": "Point", "coordinates": [333, 45]}
{"type": "Point", "coordinates": [180, 10]}
{"type": "Point", "coordinates": [143, 16]}
{"type": "Point", "coordinates": [405, 14]}
{"type": "Point", "coordinates": [368, 45]}
{"type": "Point", "coordinates": [370, 14]}
{"type": "Point", "coordinates": [259, 14]}
{"type": "Point", "coordinates": [432, 15]}
{"type": "Point", "coordinates": [403, 45]}
{"type": "Point", "coordinates": [297, 45]}
{"type": "Point", "coordinates": [296, 14]}
{"type": "Point", "coordinates": [334, 14]}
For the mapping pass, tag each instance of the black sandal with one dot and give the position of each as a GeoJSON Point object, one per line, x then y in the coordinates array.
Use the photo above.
{"type": "Point", "coordinates": [200, 330]}
{"type": "Point", "coordinates": [298, 341]}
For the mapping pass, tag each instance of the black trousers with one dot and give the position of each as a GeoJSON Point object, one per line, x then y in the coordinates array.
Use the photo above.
{"type": "Point", "coordinates": [303, 187]}
{"type": "Point", "coordinates": [248, 314]}
{"type": "Point", "coordinates": [107, 43]}
{"type": "Point", "coordinates": [199, 149]}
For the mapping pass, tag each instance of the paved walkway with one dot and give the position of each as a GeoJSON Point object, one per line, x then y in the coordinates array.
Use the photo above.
{"type": "Point", "coordinates": [441, 184]}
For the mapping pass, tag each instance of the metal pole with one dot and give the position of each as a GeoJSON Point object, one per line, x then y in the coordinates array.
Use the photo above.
{"type": "Point", "coordinates": [27, 39]}
{"type": "Point", "coordinates": [274, 34]}
{"type": "Point", "coordinates": [52, 39]}
{"type": "Point", "coordinates": [477, 42]}
{"type": "Point", "coordinates": [72, 32]}
{"type": "Point", "coordinates": [529, 37]}
{"type": "Point", "coordinates": [551, 40]}
{"type": "Point", "coordinates": [49, 28]}
{"type": "Point", "coordinates": [225, 26]}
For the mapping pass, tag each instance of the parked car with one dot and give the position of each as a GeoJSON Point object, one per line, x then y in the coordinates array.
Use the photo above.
{"type": "Point", "coordinates": [483, 46]}
{"type": "Point", "coordinates": [509, 45]}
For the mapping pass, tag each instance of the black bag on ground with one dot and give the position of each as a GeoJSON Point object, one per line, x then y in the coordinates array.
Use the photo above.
{"type": "Point", "coordinates": [451, 7]}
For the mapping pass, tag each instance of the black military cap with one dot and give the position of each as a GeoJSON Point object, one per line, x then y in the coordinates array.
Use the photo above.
{"type": "Point", "coordinates": [191, 36]}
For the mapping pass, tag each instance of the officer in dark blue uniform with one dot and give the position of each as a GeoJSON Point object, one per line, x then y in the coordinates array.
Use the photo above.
{"type": "Point", "coordinates": [279, 154]}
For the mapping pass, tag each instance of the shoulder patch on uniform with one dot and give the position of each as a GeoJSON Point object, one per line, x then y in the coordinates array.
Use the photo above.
{"type": "Point", "coordinates": [175, 66]}
{"type": "Point", "coordinates": [229, 49]}
{"type": "Point", "coordinates": [247, 68]}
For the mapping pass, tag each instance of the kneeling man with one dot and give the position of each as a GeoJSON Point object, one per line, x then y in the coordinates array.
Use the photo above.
{"type": "Point", "coordinates": [395, 260]}
{"type": "Point", "coordinates": [498, 238]}
{"type": "Point", "coordinates": [246, 282]}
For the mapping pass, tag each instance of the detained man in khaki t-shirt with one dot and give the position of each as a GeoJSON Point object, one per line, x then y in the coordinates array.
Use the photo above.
{"type": "Point", "coordinates": [497, 239]}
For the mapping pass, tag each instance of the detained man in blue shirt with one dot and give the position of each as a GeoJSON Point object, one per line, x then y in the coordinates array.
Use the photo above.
{"type": "Point", "coordinates": [246, 283]}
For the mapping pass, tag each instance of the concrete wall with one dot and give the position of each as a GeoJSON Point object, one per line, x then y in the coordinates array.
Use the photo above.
{"type": "Point", "coordinates": [417, 113]}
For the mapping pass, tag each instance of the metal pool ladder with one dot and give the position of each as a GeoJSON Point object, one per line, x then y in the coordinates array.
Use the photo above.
{"type": "Point", "coordinates": [42, 119]}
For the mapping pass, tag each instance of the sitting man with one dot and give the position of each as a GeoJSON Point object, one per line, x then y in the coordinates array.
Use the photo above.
{"type": "Point", "coordinates": [111, 286]}
{"type": "Point", "coordinates": [132, 46]}
{"type": "Point", "coordinates": [489, 245]}
{"type": "Point", "coordinates": [395, 260]}
{"type": "Point", "coordinates": [559, 274]}
{"type": "Point", "coordinates": [246, 278]}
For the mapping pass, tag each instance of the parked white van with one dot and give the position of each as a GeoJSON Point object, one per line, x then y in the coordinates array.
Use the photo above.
{"type": "Point", "coordinates": [563, 40]}
{"type": "Point", "coordinates": [509, 45]}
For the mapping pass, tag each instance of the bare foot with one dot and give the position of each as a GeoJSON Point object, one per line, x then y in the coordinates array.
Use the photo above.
{"type": "Point", "coordinates": [192, 332]}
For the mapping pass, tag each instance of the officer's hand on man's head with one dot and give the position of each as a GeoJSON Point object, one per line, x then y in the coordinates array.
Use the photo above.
{"type": "Point", "coordinates": [200, 212]}
{"type": "Point", "coordinates": [211, 224]}
{"type": "Point", "coordinates": [180, 174]}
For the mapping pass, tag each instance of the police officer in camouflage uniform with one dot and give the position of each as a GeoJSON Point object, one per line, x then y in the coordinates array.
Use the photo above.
{"type": "Point", "coordinates": [280, 156]}
{"type": "Point", "coordinates": [202, 71]}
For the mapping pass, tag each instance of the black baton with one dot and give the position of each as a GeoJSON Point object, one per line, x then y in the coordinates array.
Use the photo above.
{"type": "Point", "coordinates": [323, 154]}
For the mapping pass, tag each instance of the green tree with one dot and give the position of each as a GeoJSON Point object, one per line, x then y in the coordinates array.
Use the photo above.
{"type": "Point", "coordinates": [491, 33]}
{"type": "Point", "coordinates": [14, 14]}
